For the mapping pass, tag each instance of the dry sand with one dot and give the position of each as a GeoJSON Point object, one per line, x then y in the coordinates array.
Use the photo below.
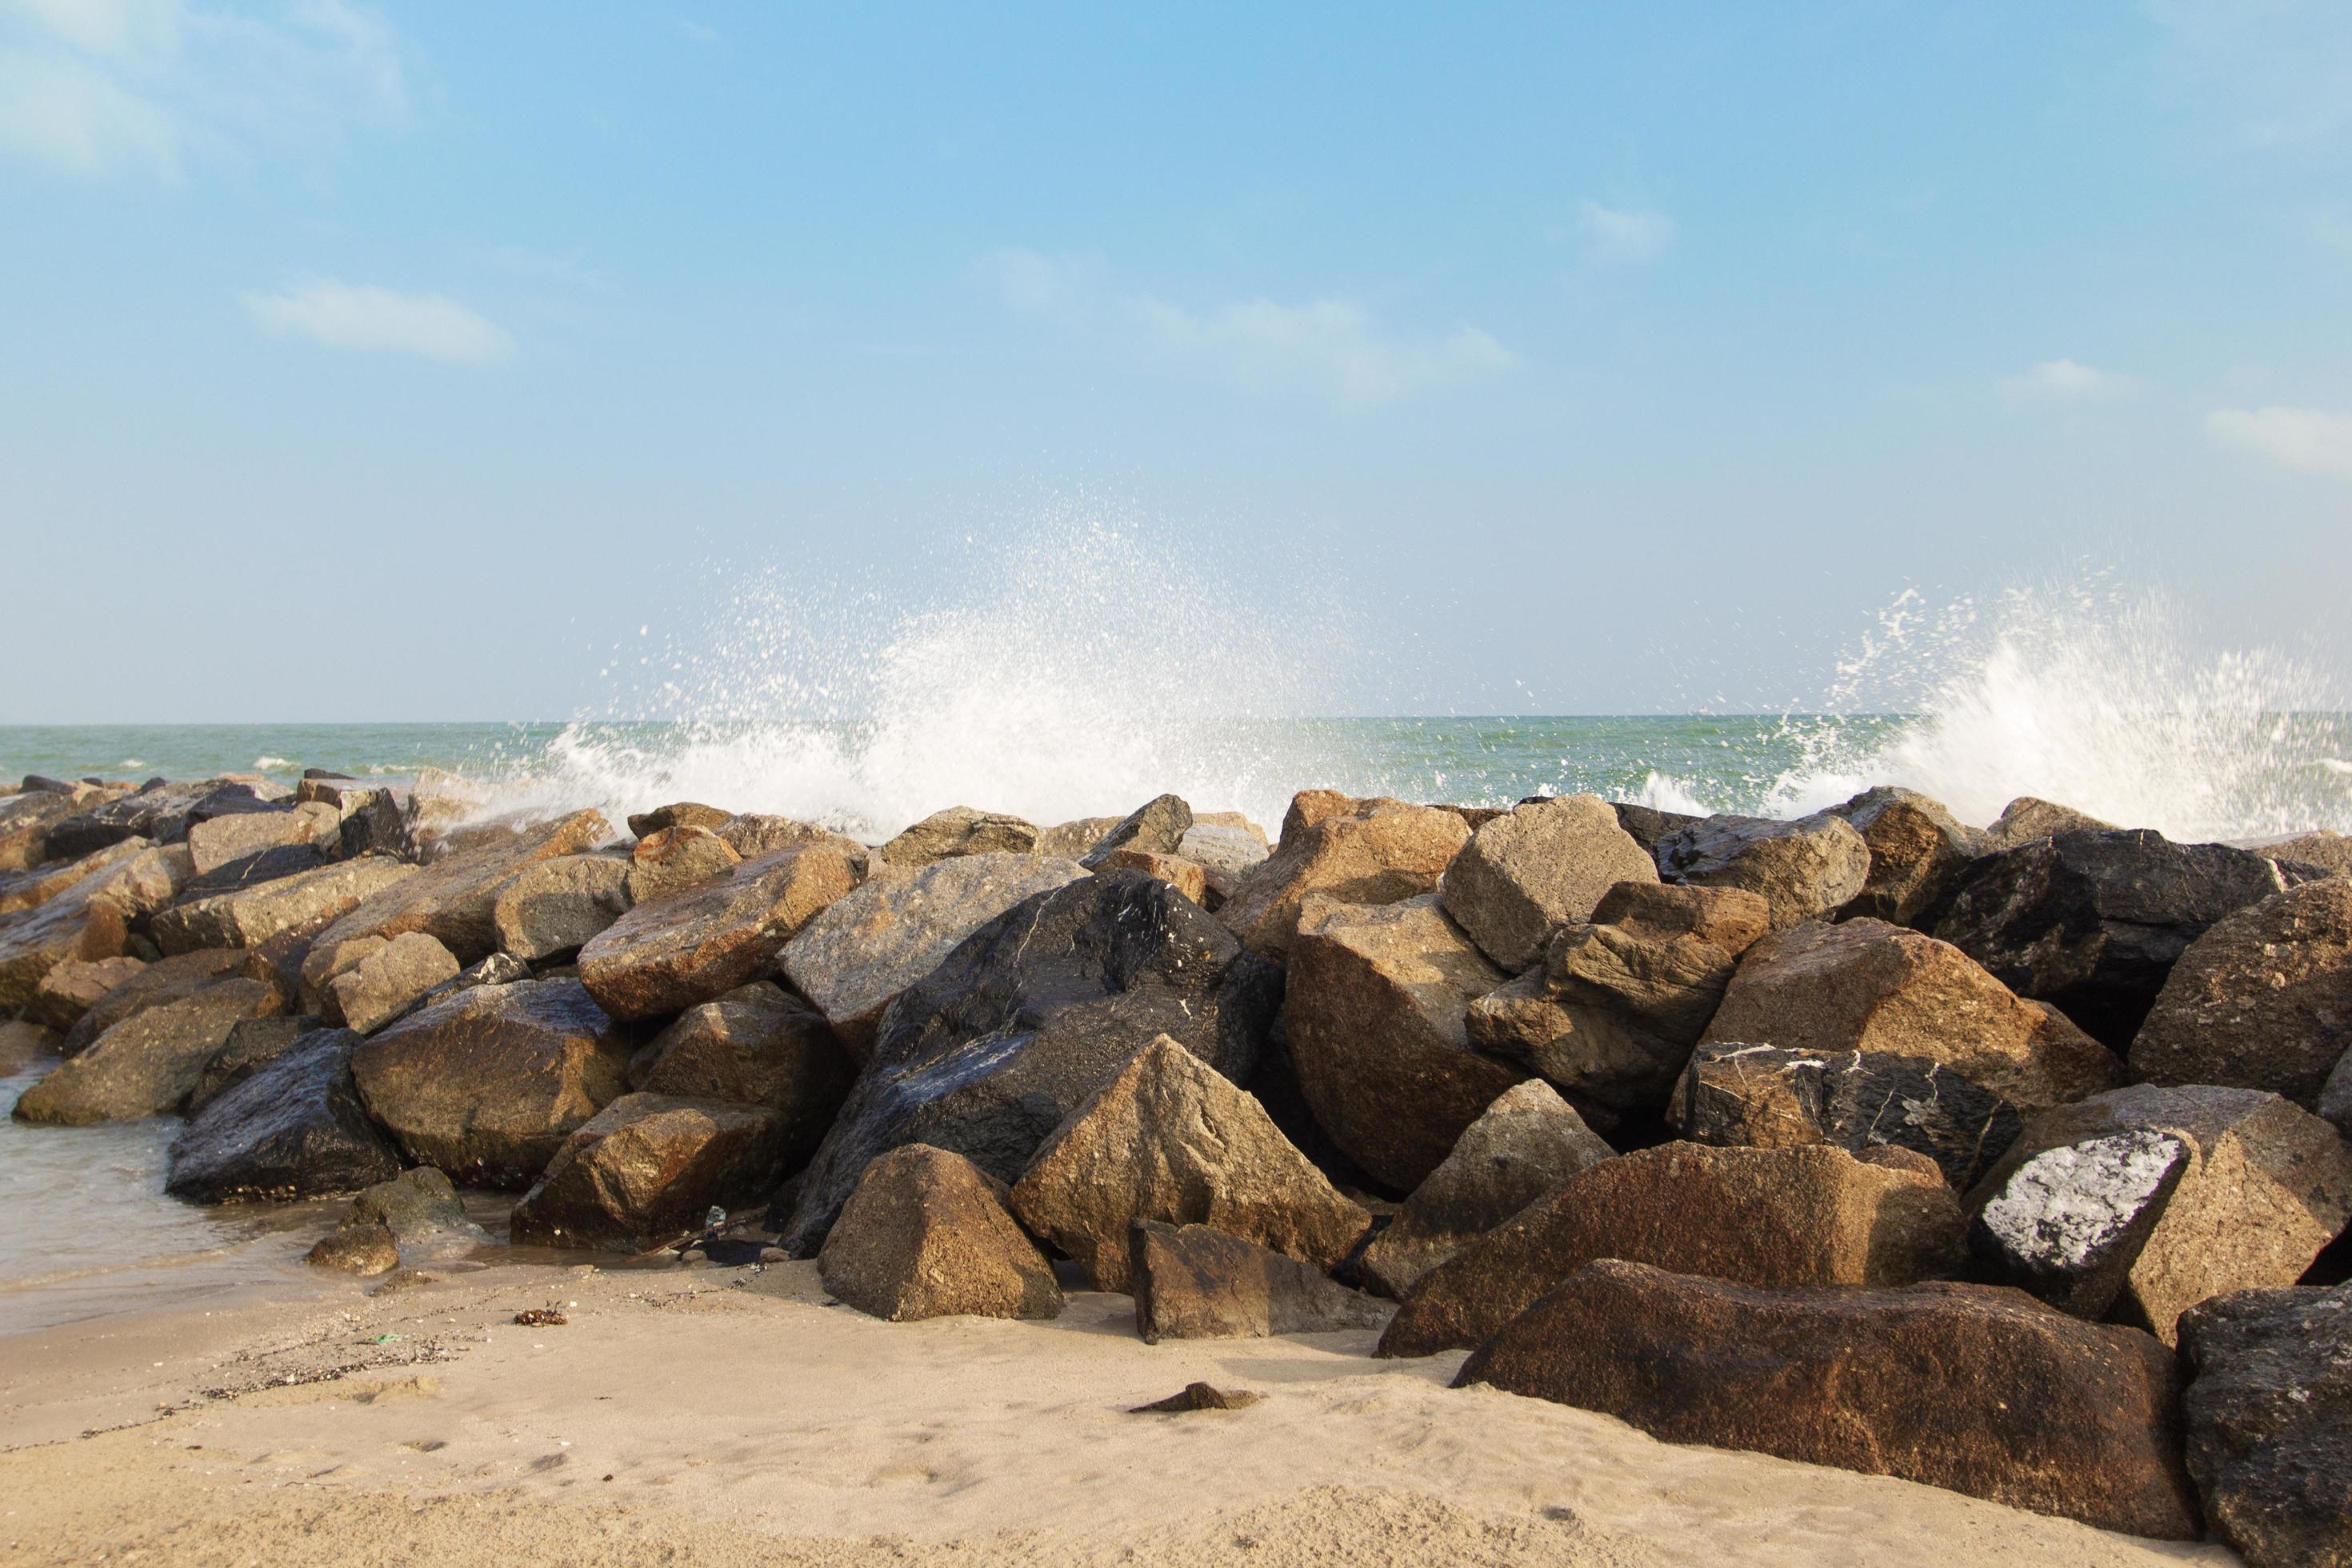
{"type": "Point", "coordinates": [709, 1416]}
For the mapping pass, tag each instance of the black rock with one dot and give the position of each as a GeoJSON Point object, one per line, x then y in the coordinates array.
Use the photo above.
{"type": "Point", "coordinates": [322, 774]}
{"type": "Point", "coordinates": [295, 1129]}
{"type": "Point", "coordinates": [252, 1044]}
{"type": "Point", "coordinates": [46, 785]}
{"type": "Point", "coordinates": [1646, 824]}
{"type": "Point", "coordinates": [1158, 826]}
{"type": "Point", "coordinates": [1027, 1017]}
{"type": "Point", "coordinates": [2269, 1417]}
{"type": "Point", "coordinates": [160, 812]}
{"type": "Point", "coordinates": [2090, 922]}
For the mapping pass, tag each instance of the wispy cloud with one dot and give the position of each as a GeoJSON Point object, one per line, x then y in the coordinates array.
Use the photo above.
{"type": "Point", "coordinates": [1038, 284]}
{"type": "Point", "coordinates": [2308, 440]}
{"type": "Point", "coordinates": [77, 121]}
{"type": "Point", "coordinates": [2265, 73]}
{"type": "Point", "coordinates": [2068, 381]}
{"type": "Point", "coordinates": [1625, 236]}
{"type": "Point", "coordinates": [362, 317]}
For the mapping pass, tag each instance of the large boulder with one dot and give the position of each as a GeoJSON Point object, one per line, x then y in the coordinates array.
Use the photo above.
{"type": "Point", "coordinates": [1074, 840]}
{"type": "Point", "coordinates": [486, 1083]}
{"type": "Point", "coordinates": [252, 1044]}
{"type": "Point", "coordinates": [1524, 1147]}
{"type": "Point", "coordinates": [1228, 846]}
{"type": "Point", "coordinates": [2269, 1416]}
{"type": "Point", "coordinates": [85, 920]}
{"type": "Point", "coordinates": [421, 1210]}
{"type": "Point", "coordinates": [1535, 868]}
{"type": "Point", "coordinates": [672, 860]}
{"type": "Point", "coordinates": [555, 906]}
{"type": "Point", "coordinates": [149, 1063]}
{"type": "Point", "coordinates": [1980, 1391]}
{"type": "Point", "coordinates": [24, 821]}
{"type": "Point", "coordinates": [271, 865]}
{"type": "Point", "coordinates": [1195, 1282]}
{"type": "Point", "coordinates": [293, 1128]}
{"type": "Point", "coordinates": [646, 1168]}
{"type": "Point", "coordinates": [757, 1044]}
{"type": "Point", "coordinates": [73, 987]}
{"type": "Point", "coordinates": [2027, 818]}
{"type": "Point", "coordinates": [1168, 1139]}
{"type": "Point", "coordinates": [1375, 851]}
{"type": "Point", "coordinates": [1766, 1096]}
{"type": "Point", "coordinates": [958, 830]}
{"type": "Point", "coordinates": [1376, 1019]}
{"type": "Point", "coordinates": [1028, 1016]}
{"type": "Point", "coordinates": [223, 840]}
{"type": "Point", "coordinates": [2262, 1000]}
{"type": "Point", "coordinates": [2142, 1201]}
{"type": "Point", "coordinates": [1759, 1216]}
{"type": "Point", "coordinates": [926, 1235]}
{"type": "Point", "coordinates": [166, 980]}
{"type": "Point", "coordinates": [869, 945]}
{"type": "Point", "coordinates": [386, 983]}
{"type": "Point", "coordinates": [24, 890]}
{"type": "Point", "coordinates": [1865, 985]}
{"type": "Point", "coordinates": [160, 812]}
{"type": "Point", "coordinates": [295, 906]}
{"type": "Point", "coordinates": [1646, 825]}
{"type": "Point", "coordinates": [2329, 850]}
{"type": "Point", "coordinates": [1804, 869]}
{"type": "Point", "coordinates": [669, 955]}
{"type": "Point", "coordinates": [1916, 847]}
{"type": "Point", "coordinates": [2090, 922]}
{"type": "Point", "coordinates": [454, 899]}
{"type": "Point", "coordinates": [1612, 1016]}
{"type": "Point", "coordinates": [1156, 828]}
{"type": "Point", "coordinates": [678, 813]}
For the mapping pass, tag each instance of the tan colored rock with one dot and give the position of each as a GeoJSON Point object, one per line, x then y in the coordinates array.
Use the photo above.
{"type": "Point", "coordinates": [1073, 840]}
{"type": "Point", "coordinates": [149, 1063]}
{"type": "Point", "coordinates": [958, 830]}
{"type": "Point", "coordinates": [70, 989]}
{"type": "Point", "coordinates": [323, 961]}
{"type": "Point", "coordinates": [751, 836]}
{"type": "Point", "coordinates": [217, 842]}
{"type": "Point", "coordinates": [25, 820]}
{"type": "Point", "coordinates": [1226, 851]}
{"type": "Point", "coordinates": [679, 814]}
{"type": "Point", "coordinates": [692, 946]}
{"type": "Point", "coordinates": [554, 906]}
{"type": "Point", "coordinates": [1376, 1009]}
{"type": "Point", "coordinates": [83, 921]}
{"type": "Point", "coordinates": [926, 1235]}
{"type": "Point", "coordinates": [2330, 851]}
{"type": "Point", "coordinates": [1536, 869]}
{"type": "Point", "coordinates": [362, 1249]}
{"type": "Point", "coordinates": [2025, 819]}
{"type": "Point", "coordinates": [1865, 985]}
{"type": "Point", "coordinates": [1157, 827]}
{"type": "Point", "coordinates": [26, 889]}
{"type": "Point", "coordinates": [310, 901]}
{"type": "Point", "coordinates": [454, 899]}
{"type": "Point", "coordinates": [166, 980]}
{"type": "Point", "coordinates": [1916, 846]}
{"type": "Point", "coordinates": [672, 860]}
{"type": "Point", "coordinates": [648, 1168]}
{"type": "Point", "coordinates": [1195, 1282]}
{"type": "Point", "coordinates": [1805, 869]}
{"type": "Point", "coordinates": [1756, 1216]}
{"type": "Point", "coordinates": [1377, 851]}
{"type": "Point", "coordinates": [384, 985]}
{"type": "Point", "coordinates": [1185, 876]}
{"type": "Point", "coordinates": [756, 1045]}
{"type": "Point", "coordinates": [1169, 1139]}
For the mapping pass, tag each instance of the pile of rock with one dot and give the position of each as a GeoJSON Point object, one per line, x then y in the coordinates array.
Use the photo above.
{"type": "Point", "coordinates": [1869, 1139]}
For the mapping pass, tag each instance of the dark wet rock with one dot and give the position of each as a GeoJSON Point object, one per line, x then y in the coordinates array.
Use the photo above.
{"type": "Point", "coordinates": [557, 906]}
{"type": "Point", "coordinates": [1646, 825]}
{"type": "Point", "coordinates": [149, 1063]}
{"type": "Point", "coordinates": [679, 814]}
{"type": "Point", "coordinates": [674, 859]}
{"type": "Point", "coordinates": [1761, 1216]}
{"type": "Point", "coordinates": [1199, 1396]}
{"type": "Point", "coordinates": [166, 980]}
{"type": "Point", "coordinates": [252, 1044]}
{"type": "Point", "coordinates": [758, 1045]}
{"type": "Point", "coordinates": [2090, 922]}
{"type": "Point", "coordinates": [161, 813]}
{"type": "Point", "coordinates": [24, 822]}
{"type": "Point", "coordinates": [2031, 1408]}
{"type": "Point", "coordinates": [372, 823]}
{"type": "Point", "coordinates": [454, 899]}
{"type": "Point", "coordinates": [1376, 851]}
{"type": "Point", "coordinates": [1805, 869]}
{"type": "Point", "coordinates": [294, 1129]}
{"type": "Point", "coordinates": [356, 1248]}
{"type": "Point", "coordinates": [646, 1168]}
{"type": "Point", "coordinates": [298, 905]}
{"type": "Point", "coordinates": [421, 1208]}
{"type": "Point", "coordinates": [926, 1235]}
{"type": "Point", "coordinates": [1916, 846]}
{"type": "Point", "coordinates": [958, 830]}
{"type": "Point", "coordinates": [1536, 869]}
{"type": "Point", "coordinates": [71, 988]}
{"type": "Point", "coordinates": [2269, 1416]}
{"type": "Point", "coordinates": [1193, 1282]}
{"type": "Point", "coordinates": [2025, 819]}
{"type": "Point", "coordinates": [1028, 1016]}
{"type": "Point", "coordinates": [2336, 1096]}
{"type": "Point", "coordinates": [1158, 826]}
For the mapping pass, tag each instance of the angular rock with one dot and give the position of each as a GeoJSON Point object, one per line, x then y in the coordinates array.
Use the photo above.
{"type": "Point", "coordinates": [1073, 840]}
{"type": "Point", "coordinates": [1763, 1097]}
{"type": "Point", "coordinates": [1537, 868]}
{"type": "Point", "coordinates": [1157, 827]}
{"type": "Point", "coordinates": [1184, 875]}
{"type": "Point", "coordinates": [1805, 869]}
{"type": "Point", "coordinates": [294, 1129]}
{"type": "Point", "coordinates": [1646, 824]}
{"type": "Point", "coordinates": [648, 1167]}
{"type": "Point", "coordinates": [2330, 851]}
{"type": "Point", "coordinates": [387, 984]}
{"type": "Point", "coordinates": [25, 889]}
{"type": "Point", "coordinates": [454, 899]}
{"type": "Point", "coordinates": [221, 840]}
{"type": "Point", "coordinates": [371, 822]}
{"type": "Point", "coordinates": [1377, 851]}
{"type": "Point", "coordinates": [85, 920]}
{"type": "Point", "coordinates": [958, 830]}
{"type": "Point", "coordinates": [1621, 1000]}
{"type": "Point", "coordinates": [2025, 819]}
{"type": "Point", "coordinates": [421, 1209]}
{"type": "Point", "coordinates": [1168, 1139]}
{"type": "Point", "coordinates": [23, 1045]}
{"type": "Point", "coordinates": [2142, 1201]}
{"type": "Point", "coordinates": [2262, 1000]}
{"type": "Point", "coordinates": [1524, 1147]}
{"type": "Point", "coordinates": [292, 905]}
{"type": "Point", "coordinates": [272, 865]}
{"type": "Point", "coordinates": [149, 1063]}
{"type": "Point", "coordinates": [351, 1248]}
{"type": "Point", "coordinates": [1758, 1216]}
{"type": "Point", "coordinates": [71, 988]}
{"type": "Point", "coordinates": [1199, 1396]}
{"type": "Point", "coordinates": [1865, 985]}
{"type": "Point", "coordinates": [1915, 847]}
{"type": "Point", "coordinates": [2030, 1408]}
{"type": "Point", "coordinates": [756, 1046]}
{"type": "Point", "coordinates": [24, 827]}
{"type": "Point", "coordinates": [1194, 1282]}
{"type": "Point", "coordinates": [2269, 1416]}
{"type": "Point", "coordinates": [2090, 922]}
{"type": "Point", "coordinates": [323, 961]}
{"type": "Point", "coordinates": [854, 958]}
{"type": "Point", "coordinates": [1375, 1015]}
{"type": "Point", "coordinates": [556, 905]}
{"type": "Point", "coordinates": [926, 1235]}
{"type": "Point", "coordinates": [704, 941]}
{"type": "Point", "coordinates": [166, 980]}
{"type": "Point", "coordinates": [252, 1044]}
{"type": "Point", "coordinates": [1226, 852]}
{"type": "Point", "coordinates": [161, 813]}
{"type": "Point", "coordinates": [753, 835]}
{"type": "Point", "coordinates": [672, 859]}
{"type": "Point", "coordinates": [1028, 1016]}
{"type": "Point", "coordinates": [486, 1083]}
{"type": "Point", "coordinates": [680, 814]}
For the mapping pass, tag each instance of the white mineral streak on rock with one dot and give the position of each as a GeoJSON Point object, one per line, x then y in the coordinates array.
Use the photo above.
{"type": "Point", "coordinates": [2061, 1207]}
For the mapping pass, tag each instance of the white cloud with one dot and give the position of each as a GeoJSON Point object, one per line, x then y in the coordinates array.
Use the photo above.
{"type": "Point", "coordinates": [2068, 381]}
{"type": "Point", "coordinates": [1327, 345]}
{"type": "Point", "coordinates": [103, 27]}
{"type": "Point", "coordinates": [1619, 235]}
{"type": "Point", "coordinates": [355, 316]}
{"type": "Point", "coordinates": [77, 121]}
{"type": "Point", "coordinates": [2308, 440]}
{"type": "Point", "coordinates": [1038, 284]}
{"type": "Point", "coordinates": [2269, 73]}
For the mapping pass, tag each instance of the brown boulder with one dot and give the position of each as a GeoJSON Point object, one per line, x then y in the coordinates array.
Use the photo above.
{"type": "Point", "coordinates": [672, 860]}
{"type": "Point", "coordinates": [926, 1235]}
{"type": "Point", "coordinates": [1533, 870]}
{"type": "Point", "coordinates": [1157, 827]}
{"type": "Point", "coordinates": [166, 980]}
{"type": "Point", "coordinates": [646, 1168]}
{"type": "Point", "coordinates": [2025, 819]}
{"type": "Point", "coordinates": [1194, 1282]}
{"type": "Point", "coordinates": [149, 1063]}
{"type": "Point", "coordinates": [2330, 851]}
{"type": "Point", "coordinates": [668, 955]}
{"type": "Point", "coordinates": [1759, 1216]}
{"type": "Point", "coordinates": [222, 840]}
{"type": "Point", "coordinates": [384, 985]}
{"type": "Point", "coordinates": [1967, 1387]}
{"type": "Point", "coordinates": [73, 987]}
{"type": "Point", "coordinates": [356, 1247]}
{"type": "Point", "coordinates": [1805, 869]}
{"type": "Point", "coordinates": [1916, 849]}
{"type": "Point", "coordinates": [1073, 840]}
{"type": "Point", "coordinates": [958, 830]}
{"type": "Point", "coordinates": [679, 814]}
{"type": "Point", "coordinates": [1185, 876]}
{"type": "Point", "coordinates": [26, 889]}
{"type": "Point", "coordinates": [1375, 851]}
{"type": "Point", "coordinates": [555, 906]}
{"type": "Point", "coordinates": [24, 826]}
{"type": "Point", "coordinates": [2269, 1416]}
{"type": "Point", "coordinates": [291, 906]}
{"type": "Point", "coordinates": [757, 1044]}
{"type": "Point", "coordinates": [454, 899]}
{"type": "Point", "coordinates": [85, 921]}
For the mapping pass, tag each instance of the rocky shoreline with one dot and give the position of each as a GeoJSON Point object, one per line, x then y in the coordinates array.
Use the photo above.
{"type": "Point", "coordinates": [2007, 1159]}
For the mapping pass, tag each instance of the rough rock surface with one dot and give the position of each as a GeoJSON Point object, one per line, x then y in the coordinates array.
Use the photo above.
{"type": "Point", "coordinates": [2269, 1416]}
{"type": "Point", "coordinates": [1759, 1216]}
{"type": "Point", "coordinates": [665, 956]}
{"type": "Point", "coordinates": [1226, 852]}
{"type": "Point", "coordinates": [2031, 1408]}
{"type": "Point", "coordinates": [2329, 850]}
{"type": "Point", "coordinates": [1157, 827]}
{"type": "Point", "coordinates": [1168, 1139]}
{"type": "Point", "coordinates": [1765, 1097]}
{"type": "Point", "coordinates": [1184, 875]}
{"type": "Point", "coordinates": [1073, 840]}
{"type": "Point", "coordinates": [1805, 869]}
{"type": "Point", "coordinates": [83, 921]}
{"type": "Point", "coordinates": [2144, 1201]}
{"type": "Point", "coordinates": [1915, 845]}
{"type": "Point", "coordinates": [1195, 1282]}
{"type": "Point", "coordinates": [672, 860]}
{"type": "Point", "coordinates": [1647, 825]}
{"type": "Point", "coordinates": [223, 840]}
{"type": "Point", "coordinates": [1865, 985]}
{"type": "Point", "coordinates": [24, 827]}
{"type": "Point", "coordinates": [1524, 1147]}
{"type": "Point", "coordinates": [2090, 922]}
{"type": "Point", "coordinates": [454, 899]}
{"type": "Point", "coordinates": [869, 945]}
{"type": "Point", "coordinates": [678, 813]}
{"type": "Point", "coordinates": [2335, 1098]}
{"type": "Point", "coordinates": [1376, 1019]}
{"type": "Point", "coordinates": [252, 1044]}
{"type": "Point", "coordinates": [1031, 1013]}
{"type": "Point", "coordinates": [71, 988]}
{"type": "Point", "coordinates": [2262, 1000]}
{"type": "Point", "coordinates": [1611, 1017]}
{"type": "Point", "coordinates": [648, 1167]}
{"type": "Point", "coordinates": [1536, 869]}
{"type": "Point", "coordinates": [555, 906]}
{"type": "Point", "coordinates": [958, 830]}
{"type": "Point", "coordinates": [149, 1063]}
{"type": "Point", "coordinates": [166, 980]}
{"type": "Point", "coordinates": [2026, 818]}
{"type": "Point", "coordinates": [421, 1208]}
{"type": "Point", "coordinates": [356, 1248]}
{"type": "Point", "coordinates": [757, 1044]}
{"type": "Point", "coordinates": [38, 884]}
{"type": "Point", "coordinates": [291, 905]}
{"type": "Point", "coordinates": [486, 1083]}
{"type": "Point", "coordinates": [386, 983]}
{"type": "Point", "coordinates": [926, 1235]}
{"type": "Point", "coordinates": [1375, 851]}
{"type": "Point", "coordinates": [294, 1129]}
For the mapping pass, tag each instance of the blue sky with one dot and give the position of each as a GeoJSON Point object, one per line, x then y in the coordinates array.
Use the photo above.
{"type": "Point", "coordinates": [398, 362]}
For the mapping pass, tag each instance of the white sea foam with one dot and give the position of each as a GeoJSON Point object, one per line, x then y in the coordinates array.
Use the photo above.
{"type": "Point", "coordinates": [274, 764]}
